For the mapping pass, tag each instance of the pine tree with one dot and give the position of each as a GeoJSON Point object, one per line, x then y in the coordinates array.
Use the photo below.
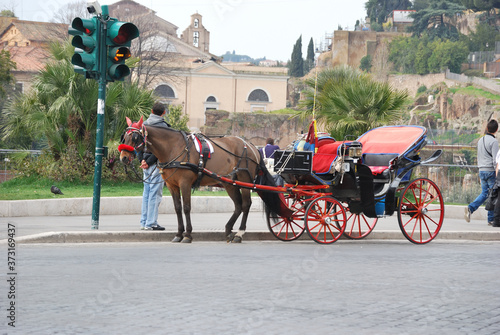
{"type": "Point", "coordinates": [297, 63]}
{"type": "Point", "coordinates": [309, 64]}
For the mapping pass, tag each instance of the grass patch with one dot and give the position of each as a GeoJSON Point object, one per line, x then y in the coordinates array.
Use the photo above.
{"type": "Point", "coordinates": [474, 91]}
{"type": "Point", "coordinates": [32, 188]}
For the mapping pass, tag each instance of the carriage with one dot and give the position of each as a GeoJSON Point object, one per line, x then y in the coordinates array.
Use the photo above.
{"type": "Point", "coordinates": [343, 187]}
{"type": "Point", "coordinates": [331, 188]}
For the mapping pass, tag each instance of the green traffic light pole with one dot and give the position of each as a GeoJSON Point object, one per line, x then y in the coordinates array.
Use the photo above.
{"type": "Point", "coordinates": [101, 102]}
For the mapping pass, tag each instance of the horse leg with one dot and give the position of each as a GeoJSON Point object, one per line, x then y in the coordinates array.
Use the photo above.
{"type": "Point", "coordinates": [176, 197]}
{"type": "Point", "coordinates": [245, 206]}
{"type": "Point", "coordinates": [186, 204]}
{"type": "Point", "coordinates": [235, 195]}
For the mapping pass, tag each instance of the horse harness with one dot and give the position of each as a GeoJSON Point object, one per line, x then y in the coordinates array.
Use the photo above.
{"type": "Point", "coordinates": [204, 152]}
{"type": "Point", "coordinates": [205, 155]}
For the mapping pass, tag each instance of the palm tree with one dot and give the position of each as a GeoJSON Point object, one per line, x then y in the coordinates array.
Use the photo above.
{"type": "Point", "coordinates": [347, 101]}
{"type": "Point", "coordinates": [61, 107]}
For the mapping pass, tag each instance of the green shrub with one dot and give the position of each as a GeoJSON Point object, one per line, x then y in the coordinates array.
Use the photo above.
{"type": "Point", "coordinates": [473, 73]}
{"type": "Point", "coordinates": [366, 63]}
{"type": "Point", "coordinates": [421, 89]}
{"type": "Point", "coordinates": [71, 166]}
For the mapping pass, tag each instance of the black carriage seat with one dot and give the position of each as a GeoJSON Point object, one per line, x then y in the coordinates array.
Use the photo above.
{"type": "Point", "coordinates": [379, 165]}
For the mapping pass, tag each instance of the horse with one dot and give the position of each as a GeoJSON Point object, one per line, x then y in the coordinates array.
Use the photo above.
{"type": "Point", "coordinates": [182, 167]}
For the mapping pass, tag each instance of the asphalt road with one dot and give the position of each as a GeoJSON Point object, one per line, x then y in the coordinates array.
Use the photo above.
{"type": "Point", "coordinates": [367, 287]}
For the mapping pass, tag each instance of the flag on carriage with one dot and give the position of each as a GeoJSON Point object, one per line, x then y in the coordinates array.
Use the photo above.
{"type": "Point", "coordinates": [312, 135]}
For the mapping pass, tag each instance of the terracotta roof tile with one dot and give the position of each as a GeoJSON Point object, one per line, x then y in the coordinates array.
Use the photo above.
{"type": "Point", "coordinates": [29, 59]}
{"type": "Point", "coordinates": [41, 31]}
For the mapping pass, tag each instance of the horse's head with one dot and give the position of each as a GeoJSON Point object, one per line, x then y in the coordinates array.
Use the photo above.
{"type": "Point", "coordinates": [132, 141]}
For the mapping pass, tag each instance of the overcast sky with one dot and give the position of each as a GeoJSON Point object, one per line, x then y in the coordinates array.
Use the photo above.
{"type": "Point", "coordinates": [257, 28]}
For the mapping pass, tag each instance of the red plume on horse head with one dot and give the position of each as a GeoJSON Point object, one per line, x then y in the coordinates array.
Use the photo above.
{"type": "Point", "coordinates": [136, 125]}
{"type": "Point", "coordinates": [131, 126]}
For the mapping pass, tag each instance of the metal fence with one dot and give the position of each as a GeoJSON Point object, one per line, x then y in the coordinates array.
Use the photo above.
{"type": "Point", "coordinates": [488, 84]}
{"type": "Point", "coordinates": [7, 161]}
{"type": "Point", "coordinates": [459, 184]}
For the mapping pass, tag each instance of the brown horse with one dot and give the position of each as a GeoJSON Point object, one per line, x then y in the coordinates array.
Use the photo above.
{"type": "Point", "coordinates": [181, 167]}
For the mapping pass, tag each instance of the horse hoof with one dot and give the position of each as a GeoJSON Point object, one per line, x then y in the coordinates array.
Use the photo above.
{"type": "Point", "coordinates": [237, 239]}
{"type": "Point", "coordinates": [187, 239]}
{"type": "Point", "coordinates": [230, 237]}
{"type": "Point", "coordinates": [177, 239]}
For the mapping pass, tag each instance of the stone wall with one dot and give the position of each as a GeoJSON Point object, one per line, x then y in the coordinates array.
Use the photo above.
{"type": "Point", "coordinates": [411, 82]}
{"type": "Point", "coordinates": [350, 46]}
{"type": "Point", "coordinates": [255, 127]}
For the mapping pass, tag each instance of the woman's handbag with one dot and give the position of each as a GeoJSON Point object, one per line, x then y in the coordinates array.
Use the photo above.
{"type": "Point", "coordinates": [492, 198]}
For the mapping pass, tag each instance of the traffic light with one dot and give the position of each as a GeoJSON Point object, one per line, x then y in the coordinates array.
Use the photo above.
{"type": "Point", "coordinates": [118, 41]}
{"type": "Point", "coordinates": [86, 45]}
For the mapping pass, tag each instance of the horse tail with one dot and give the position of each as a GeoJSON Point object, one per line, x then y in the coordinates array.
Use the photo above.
{"type": "Point", "coordinates": [274, 202]}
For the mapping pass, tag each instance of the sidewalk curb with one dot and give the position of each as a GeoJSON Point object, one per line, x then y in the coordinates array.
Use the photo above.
{"type": "Point", "coordinates": [113, 206]}
{"type": "Point", "coordinates": [132, 206]}
{"type": "Point", "coordinates": [213, 236]}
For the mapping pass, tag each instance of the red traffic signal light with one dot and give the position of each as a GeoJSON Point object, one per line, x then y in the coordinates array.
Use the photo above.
{"type": "Point", "coordinates": [121, 33]}
{"type": "Point", "coordinates": [118, 40]}
{"type": "Point", "coordinates": [86, 26]}
{"type": "Point", "coordinates": [86, 45]}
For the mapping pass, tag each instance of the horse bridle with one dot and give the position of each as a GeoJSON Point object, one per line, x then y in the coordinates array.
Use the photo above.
{"type": "Point", "coordinates": [137, 136]}
{"type": "Point", "coordinates": [138, 140]}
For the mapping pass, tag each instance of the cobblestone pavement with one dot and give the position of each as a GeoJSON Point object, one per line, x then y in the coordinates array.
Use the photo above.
{"type": "Point", "coordinates": [256, 288]}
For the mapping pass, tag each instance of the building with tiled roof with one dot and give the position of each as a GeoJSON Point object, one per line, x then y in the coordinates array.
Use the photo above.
{"type": "Point", "coordinates": [27, 42]}
{"type": "Point", "coordinates": [161, 35]}
{"type": "Point", "coordinates": [128, 10]}
{"type": "Point", "coordinates": [30, 33]}
{"type": "Point", "coordinates": [181, 71]}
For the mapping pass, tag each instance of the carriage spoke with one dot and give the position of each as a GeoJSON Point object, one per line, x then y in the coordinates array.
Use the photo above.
{"type": "Point", "coordinates": [325, 220]}
{"type": "Point", "coordinates": [358, 226]}
{"type": "Point", "coordinates": [291, 228]}
{"type": "Point", "coordinates": [419, 227]}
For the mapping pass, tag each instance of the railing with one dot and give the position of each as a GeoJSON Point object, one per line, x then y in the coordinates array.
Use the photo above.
{"type": "Point", "coordinates": [7, 159]}
{"type": "Point", "coordinates": [459, 184]}
{"type": "Point", "coordinates": [488, 84]}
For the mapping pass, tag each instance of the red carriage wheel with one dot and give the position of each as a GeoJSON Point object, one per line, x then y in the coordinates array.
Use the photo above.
{"type": "Point", "coordinates": [325, 220]}
{"type": "Point", "coordinates": [358, 226]}
{"type": "Point", "coordinates": [289, 229]}
{"type": "Point", "coordinates": [421, 211]}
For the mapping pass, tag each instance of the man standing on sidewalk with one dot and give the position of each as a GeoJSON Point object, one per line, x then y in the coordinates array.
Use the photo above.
{"type": "Point", "coordinates": [153, 181]}
{"type": "Point", "coordinates": [487, 149]}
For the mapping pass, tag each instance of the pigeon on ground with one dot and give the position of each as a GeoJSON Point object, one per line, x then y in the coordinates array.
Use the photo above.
{"type": "Point", "coordinates": [55, 190]}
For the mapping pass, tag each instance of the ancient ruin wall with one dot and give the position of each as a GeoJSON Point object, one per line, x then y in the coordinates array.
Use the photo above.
{"type": "Point", "coordinates": [255, 127]}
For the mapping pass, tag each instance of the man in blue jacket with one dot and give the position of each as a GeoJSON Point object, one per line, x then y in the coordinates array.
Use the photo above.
{"type": "Point", "coordinates": [487, 149]}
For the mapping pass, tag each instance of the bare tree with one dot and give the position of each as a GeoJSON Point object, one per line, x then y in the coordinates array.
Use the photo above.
{"type": "Point", "coordinates": [154, 48]}
{"type": "Point", "coordinates": [8, 10]}
{"type": "Point", "coordinates": [67, 13]}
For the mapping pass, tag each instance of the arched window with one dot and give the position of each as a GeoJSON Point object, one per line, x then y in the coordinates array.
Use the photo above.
{"type": "Point", "coordinates": [211, 103]}
{"type": "Point", "coordinates": [164, 91]}
{"type": "Point", "coordinates": [258, 95]}
{"type": "Point", "coordinates": [196, 23]}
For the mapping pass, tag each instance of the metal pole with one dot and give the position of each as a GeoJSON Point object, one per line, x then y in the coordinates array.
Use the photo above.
{"type": "Point", "coordinates": [99, 149]}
